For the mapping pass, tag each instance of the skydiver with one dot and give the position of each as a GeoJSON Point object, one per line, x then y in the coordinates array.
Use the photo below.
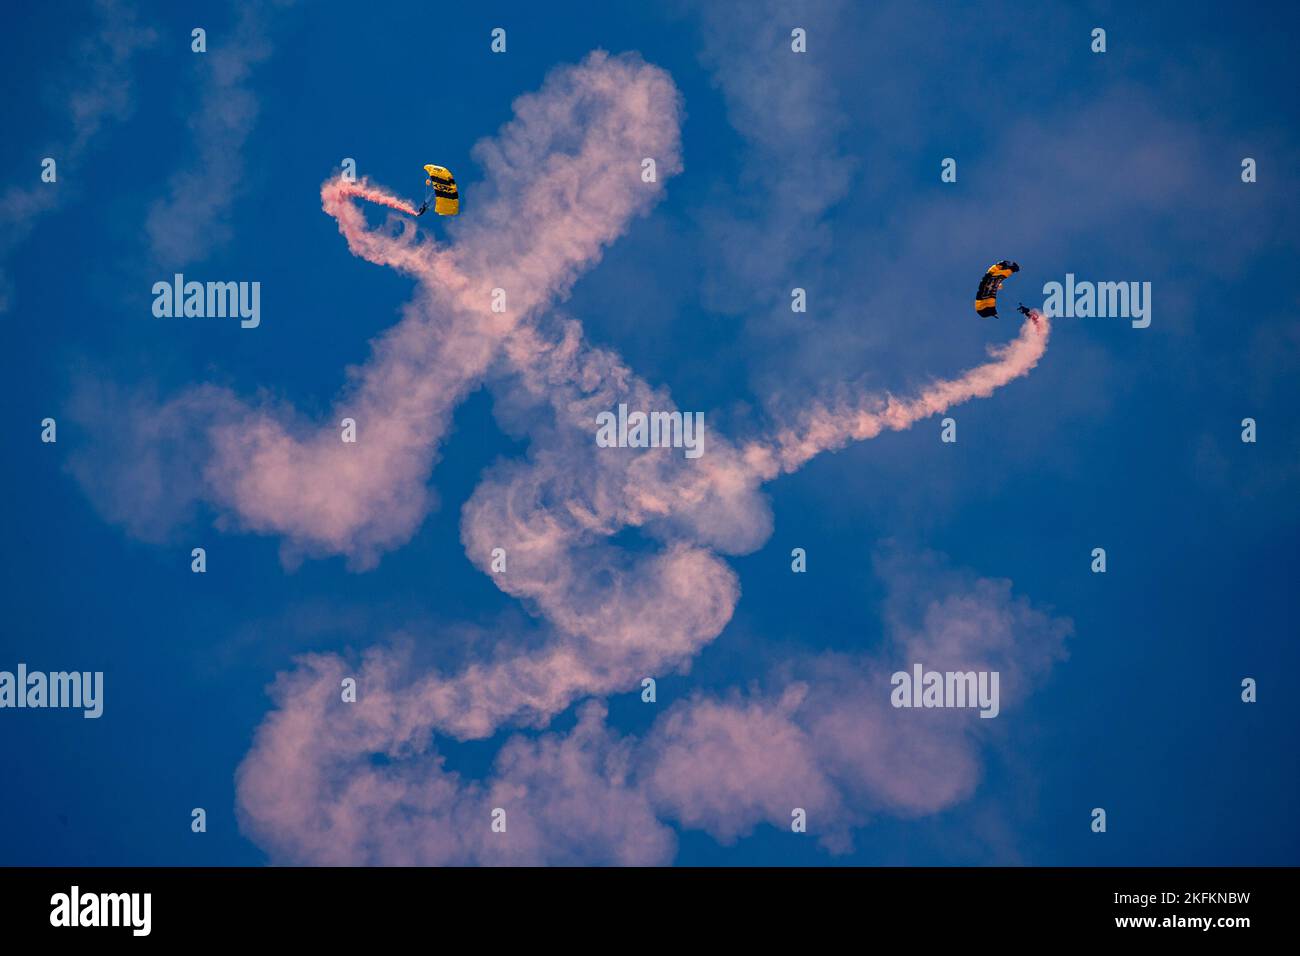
{"type": "Point", "coordinates": [1028, 312]}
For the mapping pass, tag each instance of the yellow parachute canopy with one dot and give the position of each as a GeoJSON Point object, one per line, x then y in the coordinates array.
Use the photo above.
{"type": "Point", "coordinates": [446, 200]}
{"type": "Point", "coordinates": [986, 299]}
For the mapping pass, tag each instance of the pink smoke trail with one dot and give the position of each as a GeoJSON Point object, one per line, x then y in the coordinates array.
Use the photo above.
{"type": "Point", "coordinates": [308, 789]}
{"type": "Point", "coordinates": [425, 259]}
{"type": "Point", "coordinates": [364, 189]}
{"type": "Point", "coordinates": [821, 427]}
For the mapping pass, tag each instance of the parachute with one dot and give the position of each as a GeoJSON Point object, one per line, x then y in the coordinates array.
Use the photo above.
{"type": "Point", "coordinates": [441, 188]}
{"type": "Point", "coordinates": [986, 299]}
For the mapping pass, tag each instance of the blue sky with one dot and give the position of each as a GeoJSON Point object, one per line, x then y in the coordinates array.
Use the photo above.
{"type": "Point", "coordinates": [820, 172]}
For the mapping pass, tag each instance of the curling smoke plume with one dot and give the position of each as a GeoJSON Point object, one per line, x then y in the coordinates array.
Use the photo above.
{"type": "Point", "coordinates": [363, 189]}
{"type": "Point", "coordinates": [826, 427]}
{"type": "Point", "coordinates": [562, 183]}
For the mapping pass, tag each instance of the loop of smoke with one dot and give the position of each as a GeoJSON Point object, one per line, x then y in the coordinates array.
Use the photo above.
{"type": "Point", "coordinates": [562, 184]}
{"type": "Point", "coordinates": [363, 189]}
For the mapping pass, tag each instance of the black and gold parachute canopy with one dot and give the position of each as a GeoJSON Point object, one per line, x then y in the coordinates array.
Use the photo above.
{"type": "Point", "coordinates": [986, 299]}
{"type": "Point", "coordinates": [446, 201]}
